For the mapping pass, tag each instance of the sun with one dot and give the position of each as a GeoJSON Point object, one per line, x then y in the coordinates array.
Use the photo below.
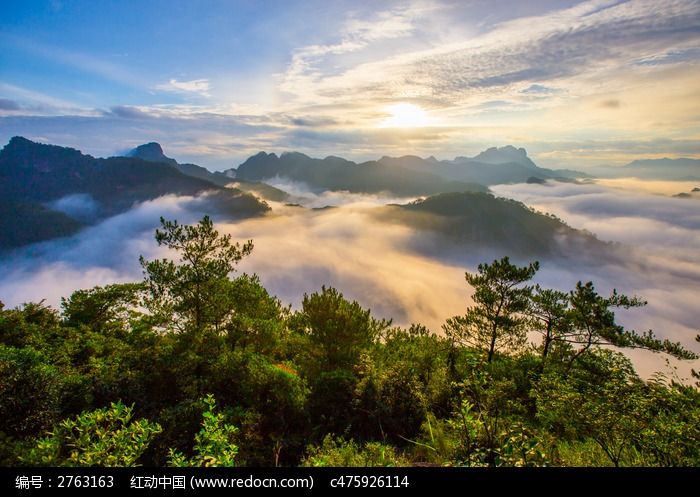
{"type": "Point", "coordinates": [404, 115]}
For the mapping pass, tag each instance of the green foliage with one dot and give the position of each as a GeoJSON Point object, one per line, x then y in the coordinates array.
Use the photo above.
{"type": "Point", "coordinates": [487, 427]}
{"type": "Point", "coordinates": [30, 391]}
{"type": "Point", "coordinates": [274, 399]}
{"type": "Point", "coordinates": [105, 437]}
{"type": "Point", "coordinates": [522, 446]}
{"type": "Point", "coordinates": [581, 453]}
{"type": "Point", "coordinates": [495, 322]}
{"type": "Point", "coordinates": [191, 295]}
{"type": "Point", "coordinates": [32, 324]}
{"type": "Point", "coordinates": [213, 445]}
{"type": "Point", "coordinates": [337, 452]}
{"type": "Point", "coordinates": [286, 380]}
{"type": "Point", "coordinates": [549, 317]}
{"type": "Point", "coordinates": [670, 435]}
{"type": "Point", "coordinates": [610, 411]}
{"type": "Point", "coordinates": [400, 381]}
{"type": "Point", "coordinates": [592, 324]}
{"type": "Point", "coordinates": [339, 330]}
{"type": "Point", "coordinates": [103, 309]}
{"type": "Point", "coordinates": [329, 390]}
{"type": "Point", "coordinates": [257, 319]}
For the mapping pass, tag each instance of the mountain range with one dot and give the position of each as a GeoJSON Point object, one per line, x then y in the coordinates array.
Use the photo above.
{"type": "Point", "coordinates": [408, 175]}
{"type": "Point", "coordinates": [153, 152]}
{"type": "Point", "coordinates": [682, 169]}
{"type": "Point", "coordinates": [47, 191]}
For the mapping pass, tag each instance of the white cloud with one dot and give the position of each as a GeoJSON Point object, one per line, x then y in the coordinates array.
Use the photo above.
{"type": "Point", "coordinates": [388, 267]}
{"type": "Point", "coordinates": [198, 86]}
{"type": "Point", "coordinates": [308, 63]}
{"type": "Point", "coordinates": [658, 259]}
{"type": "Point", "coordinates": [587, 49]}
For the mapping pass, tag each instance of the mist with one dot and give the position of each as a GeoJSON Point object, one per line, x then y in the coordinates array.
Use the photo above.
{"type": "Point", "coordinates": [303, 194]}
{"type": "Point", "coordinates": [657, 255]}
{"type": "Point", "coordinates": [79, 206]}
{"type": "Point", "coordinates": [396, 271]}
{"type": "Point", "coordinates": [297, 250]}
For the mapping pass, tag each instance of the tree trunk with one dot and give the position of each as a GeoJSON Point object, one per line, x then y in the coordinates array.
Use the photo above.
{"type": "Point", "coordinates": [547, 341]}
{"type": "Point", "coordinates": [493, 344]}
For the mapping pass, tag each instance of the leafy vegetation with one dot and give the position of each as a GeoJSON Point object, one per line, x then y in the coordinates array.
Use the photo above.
{"type": "Point", "coordinates": [199, 366]}
{"type": "Point", "coordinates": [104, 437]}
{"type": "Point", "coordinates": [213, 445]}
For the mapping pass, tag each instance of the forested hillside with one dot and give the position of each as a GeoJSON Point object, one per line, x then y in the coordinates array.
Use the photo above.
{"type": "Point", "coordinates": [481, 220]}
{"type": "Point", "coordinates": [47, 191]}
{"type": "Point", "coordinates": [197, 365]}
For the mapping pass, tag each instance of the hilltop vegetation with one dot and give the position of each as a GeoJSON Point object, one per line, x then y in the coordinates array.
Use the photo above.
{"type": "Point", "coordinates": [480, 220]}
{"type": "Point", "coordinates": [198, 366]}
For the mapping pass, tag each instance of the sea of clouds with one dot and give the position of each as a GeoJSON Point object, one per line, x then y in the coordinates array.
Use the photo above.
{"type": "Point", "coordinates": [300, 248]}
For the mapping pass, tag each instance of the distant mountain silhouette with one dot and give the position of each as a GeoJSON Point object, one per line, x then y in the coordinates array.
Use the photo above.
{"type": "Point", "coordinates": [153, 152]}
{"type": "Point", "coordinates": [504, 155]}
{"type": "Point", "coordinates": [682, 169]}
{"type": "Point", "coordinates": [672, 169]}
{"type": "Point", "coordinates": [34, 177]}
{"type": "Point", "coordinates": [335, 173]}
{"type": "Point", "coordinates": [48, 191]}
{"type": "Point", "coordinates": [694, 193]}
{"type": "Point", "coordinates": [428, 176]}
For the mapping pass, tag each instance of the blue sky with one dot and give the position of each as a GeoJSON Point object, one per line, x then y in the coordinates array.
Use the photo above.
{"type": "Point", "coordinates": [576, 83]}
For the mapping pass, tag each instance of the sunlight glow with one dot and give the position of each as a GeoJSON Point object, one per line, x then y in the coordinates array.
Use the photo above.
{"type": "Point", "coordinates": [405, 115]}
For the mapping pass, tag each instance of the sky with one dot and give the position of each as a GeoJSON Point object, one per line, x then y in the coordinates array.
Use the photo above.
{"type": "Point", "coordinates": [576, 83]}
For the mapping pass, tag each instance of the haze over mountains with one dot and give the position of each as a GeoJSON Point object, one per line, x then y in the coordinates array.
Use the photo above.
{"type": "Point", "coordinates": [50, 191]}
{"type": "Point", "coordinates": [404, 228]}
{"type": "Point", "coordinates": [153, 152]}
{"type": "Point", "coordinates": [681, 169]}
{"type": "Point", "coordinates": [408, 175]}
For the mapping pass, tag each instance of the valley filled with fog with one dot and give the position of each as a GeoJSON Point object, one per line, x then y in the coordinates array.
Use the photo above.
{"type": "Point", "coordinates": [421, 233]}
{"type": "Point", "coordinates": [338, 239]}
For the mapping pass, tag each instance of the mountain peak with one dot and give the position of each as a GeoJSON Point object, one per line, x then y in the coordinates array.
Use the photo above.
{"type": "Point", "coordinates": [23, 152]}
{"type": "Point", "coordinates": [20, 141]}
{"type": "Point", "coordinates": [151, 152]}
{"type": "Point", "coordinates": [294, 156]}
{"type": "Point", "coordinates": [502, 155]}
{"type": "Point", "coordinates": [150, 147]}
{"type": "Point", "coordinates": [18, 144]}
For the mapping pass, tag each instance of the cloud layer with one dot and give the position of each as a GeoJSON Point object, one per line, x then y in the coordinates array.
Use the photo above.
{"type": "Point", "coordinates": [198, 86]}
{"type": "Point", "coordinates": [299, 249]}
{"type": "Point", "coordinates": [577, 83]}
{"type": "Point", "coordinates": [659, 253]}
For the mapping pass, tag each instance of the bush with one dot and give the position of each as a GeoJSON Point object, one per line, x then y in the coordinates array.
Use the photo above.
{"type": "Point", "coordinates": [105, 437]}
{"type": "Point", "coordinates": [336, 452]}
